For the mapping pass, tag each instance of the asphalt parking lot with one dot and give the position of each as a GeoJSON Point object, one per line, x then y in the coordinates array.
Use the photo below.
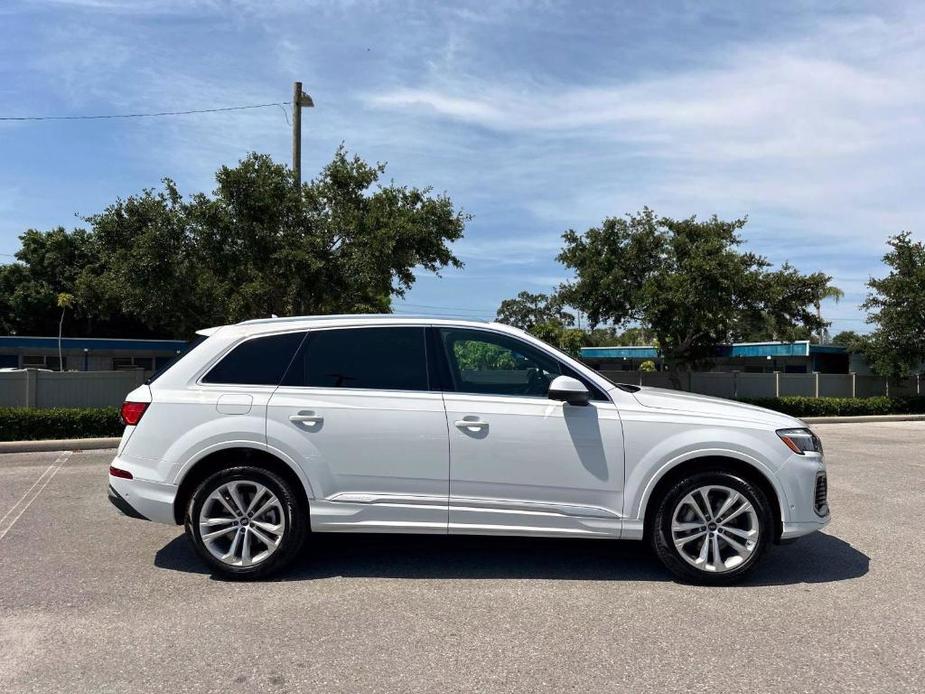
{"type": "Point", "coordinates": [93, 601]}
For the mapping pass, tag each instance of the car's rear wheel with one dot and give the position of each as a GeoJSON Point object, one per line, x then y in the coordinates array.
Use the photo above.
{"type": "Point", "coordinates": [246, 522]}
{"type": "Point", "coordinates": [712, 527]}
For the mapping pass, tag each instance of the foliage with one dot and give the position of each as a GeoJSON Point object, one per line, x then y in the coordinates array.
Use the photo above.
{"type": "Point", "coordinates": [647, 366]}
{"type": "Point", "coordinates": [29, 424]}
{"type": "Point", "coordinates": [161, 264]}
{"type": "Point", "coordinates": [481, 356]}
{"type": "Point", "coordinates": [896, 305]}
{"type": "Point", "coordinates": [526, 311]}
{"type": "Point", "coordinates": [688, 283]}
{"type": "Point", "coordinates": [850, 340]}
{"type": "Point", "coordinates": [842, 407]}
{"type": "Point", "coordinates": [569, 340]}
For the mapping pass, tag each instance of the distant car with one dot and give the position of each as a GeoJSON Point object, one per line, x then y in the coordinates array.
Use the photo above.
{"type": "Point", "coordinates": [271, 429]}
{"type": "Point", "coordinates": [8, 369]}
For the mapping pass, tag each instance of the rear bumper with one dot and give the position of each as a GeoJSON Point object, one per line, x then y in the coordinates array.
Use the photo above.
{"type": "Point", "coordinates": [141, 498]}
{"type": "Point", "coordinates": [116, 500]}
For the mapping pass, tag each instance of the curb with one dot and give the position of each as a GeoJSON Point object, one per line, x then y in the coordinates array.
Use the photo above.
{"type": "Point", "coordinates": [58, 445]}
{"type": "Point", "coordinates": [860, 419]}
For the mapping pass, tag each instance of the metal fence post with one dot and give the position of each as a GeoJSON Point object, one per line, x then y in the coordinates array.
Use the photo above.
{"type": "Point", "coordinates": [31, 386]}
{"type": "Point", "coordinates": [854, 389]}
{"type": "Point", "coordinates": [777, 384]}
{"type": "Point", "coordinates": [816, 384]}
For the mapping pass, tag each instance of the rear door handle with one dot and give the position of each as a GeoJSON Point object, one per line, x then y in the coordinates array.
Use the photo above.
{"type": "Point", "coordinates": [306, 418]}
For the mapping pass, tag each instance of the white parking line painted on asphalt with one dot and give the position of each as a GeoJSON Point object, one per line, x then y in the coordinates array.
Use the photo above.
{"type": "Point", "coordinates": [31, 494]}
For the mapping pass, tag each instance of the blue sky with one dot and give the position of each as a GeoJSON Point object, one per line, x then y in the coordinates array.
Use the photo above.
{"type": "Point", "coordinates": [534, 117]}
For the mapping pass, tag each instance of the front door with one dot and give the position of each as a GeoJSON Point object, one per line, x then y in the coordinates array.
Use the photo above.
{"type": "Point", "coordinates": [356, 410]}
{"type": "Point", "coordinates": [519, 462]}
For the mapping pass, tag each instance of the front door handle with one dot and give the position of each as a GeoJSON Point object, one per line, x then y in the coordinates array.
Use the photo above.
{"type": "Point", "coordinates": [471, 424]}
{"type": "Point", "coordinates": [306, 418]}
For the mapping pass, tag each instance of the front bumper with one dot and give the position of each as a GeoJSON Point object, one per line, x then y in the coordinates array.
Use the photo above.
{"type": "Point", "coordinates": [799, 477]}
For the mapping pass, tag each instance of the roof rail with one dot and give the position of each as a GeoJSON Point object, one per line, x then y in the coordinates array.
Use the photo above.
{"type": "Point", "coordinates": [347, 316]}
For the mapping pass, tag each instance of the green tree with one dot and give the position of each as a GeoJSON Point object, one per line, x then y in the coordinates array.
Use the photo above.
{"type": "Point", "coordinates": [161, 264]}
{"type": "Point", "coordinates": [647, 366]}
{"type": "Point", "coordinates": [569, 340]}
{"type": "Point", "coordinates": [896, 306]}
{"type": "Point", "coordinates": [527, 310]}
{"type": "Point", "coordinates": [47, 264]}
{"type": "Point", "coordinates": [686, 281]}
{"type": "Point", "coordinates": [850, 340]}
{"type": "Point", "coordinates": [65, 301]}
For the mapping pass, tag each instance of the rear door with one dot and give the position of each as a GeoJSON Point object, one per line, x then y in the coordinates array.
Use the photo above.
{"type": "Point", "coordinates": [357, 411]}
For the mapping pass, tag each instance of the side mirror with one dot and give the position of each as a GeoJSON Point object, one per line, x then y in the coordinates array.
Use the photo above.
{"type": "Point", "coordinates": [569, 390]}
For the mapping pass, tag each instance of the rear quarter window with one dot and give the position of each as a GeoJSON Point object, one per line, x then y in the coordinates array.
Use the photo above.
{"type": "Point", "coordinates": [260, 361]}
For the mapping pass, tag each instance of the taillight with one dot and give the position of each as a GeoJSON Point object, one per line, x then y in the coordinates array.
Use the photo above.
{"type": "Point", "coordinates": [116, 472]}
{"type": "Point", "coordinates": [131, 412]}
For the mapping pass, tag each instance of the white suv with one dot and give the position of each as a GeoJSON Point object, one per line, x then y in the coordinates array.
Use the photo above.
{"type": "Point", "coordinates": [267, 430]}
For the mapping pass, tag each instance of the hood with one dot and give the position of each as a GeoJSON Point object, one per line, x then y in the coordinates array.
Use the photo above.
{"type": "Point", "coordinates": [665, 399]}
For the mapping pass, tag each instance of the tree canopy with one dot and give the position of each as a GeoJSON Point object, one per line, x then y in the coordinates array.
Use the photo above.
{"type": "Point", "coordinates": [896, 306]}
{"type": "Point", "coordinates": [688, 283]}
{"type": "Point", "coordinates": [162, 264]}
{"type": "Point", "coordinates": [526, 311]}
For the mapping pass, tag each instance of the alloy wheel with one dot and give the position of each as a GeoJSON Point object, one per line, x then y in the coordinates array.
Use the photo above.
{"type": "Point", "coordinates": [242, 523]}
{"type": "Point", "coordinates": [715, 528]}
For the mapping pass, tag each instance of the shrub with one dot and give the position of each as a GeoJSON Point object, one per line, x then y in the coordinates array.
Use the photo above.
{"type": "Point", "coordinates": [24, 423]}
{"type": "Point", "coordinates": [843, 407]}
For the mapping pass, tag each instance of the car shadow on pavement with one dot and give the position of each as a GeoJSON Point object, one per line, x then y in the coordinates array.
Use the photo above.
{"type": "Point", "coordinates": [818, 558]}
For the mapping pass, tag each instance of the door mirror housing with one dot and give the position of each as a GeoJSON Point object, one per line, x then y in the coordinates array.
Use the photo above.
{"type": "Point", "coordinates": [569, 390]}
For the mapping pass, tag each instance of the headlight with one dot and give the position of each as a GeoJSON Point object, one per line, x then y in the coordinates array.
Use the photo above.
{"type": "Point", "coordinates": [800, 440]}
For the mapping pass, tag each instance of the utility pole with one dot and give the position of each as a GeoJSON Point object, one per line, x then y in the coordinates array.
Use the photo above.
{"type": "Point", "coordinates": [299, 100]}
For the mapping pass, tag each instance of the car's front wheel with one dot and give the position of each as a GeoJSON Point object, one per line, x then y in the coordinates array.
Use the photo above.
{"type": "Point", "coordinates": [712, 527]}
{"type": "Point", "coordinates": [246, 522]}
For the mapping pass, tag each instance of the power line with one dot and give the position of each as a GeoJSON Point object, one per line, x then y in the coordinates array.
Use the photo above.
{"type": "Point", "coordinates": [144, 115]}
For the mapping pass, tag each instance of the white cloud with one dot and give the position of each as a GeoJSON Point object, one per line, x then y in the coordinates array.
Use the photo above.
{"type": "Point", "coordinates": [815, 133]}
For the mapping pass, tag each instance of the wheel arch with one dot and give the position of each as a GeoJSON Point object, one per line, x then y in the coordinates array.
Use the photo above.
{"type": "Point", "coordinates": [223, 458]}
{"type": "Point", "coordinates": [745, 469]}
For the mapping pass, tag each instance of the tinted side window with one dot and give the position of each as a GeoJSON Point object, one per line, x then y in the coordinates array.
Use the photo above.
{"type": "Point", "coordinates": [482, 362]}
{"type": "Point", "coordinates": [261, 361]}
{"type": "Point", "coordinates": [379, 358]}
{"type": "Point", "coordinates": [495, 364]}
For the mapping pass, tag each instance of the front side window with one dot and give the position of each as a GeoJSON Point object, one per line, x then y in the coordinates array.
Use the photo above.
{"type": "Point", "coordinates": [376, 358]}
{"type": "Point", "coordinates": [261, 361]}
{"type": "Point", "coordinates": [482, 362]}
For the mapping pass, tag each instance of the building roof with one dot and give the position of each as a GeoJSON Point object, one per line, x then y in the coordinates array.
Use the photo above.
{"type": "Point", "coordinates": [90, 343]}
{"type": "Point", "coordinates": [800, 348]}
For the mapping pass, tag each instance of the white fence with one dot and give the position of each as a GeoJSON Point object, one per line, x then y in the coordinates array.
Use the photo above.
{"type": "Point", "coordinates": [735, 384]}
{"type": "Point", "coordinates": [33, 388]}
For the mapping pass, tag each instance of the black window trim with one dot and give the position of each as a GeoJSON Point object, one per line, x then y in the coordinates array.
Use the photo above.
{"type": "Point", "coordinates": [306, 343]}
{"type": "Point", "coordinates": [598, 394]}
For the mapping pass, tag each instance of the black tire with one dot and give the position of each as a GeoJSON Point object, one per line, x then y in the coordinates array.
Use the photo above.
{"type": "Point", "coordinates": [661, 535]}
{"type": "Point", "coordinates": [293, 513]}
